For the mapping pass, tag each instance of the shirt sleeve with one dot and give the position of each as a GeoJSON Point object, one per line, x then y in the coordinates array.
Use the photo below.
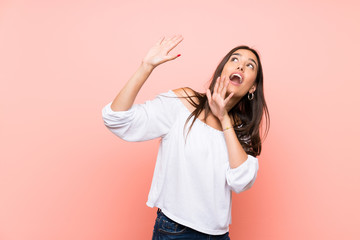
{"type": "Point", "coordinates": [243, 177]}
{"type": "Point", "coordinates": [142, 121]}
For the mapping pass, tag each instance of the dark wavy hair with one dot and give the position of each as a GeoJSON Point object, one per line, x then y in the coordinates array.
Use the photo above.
{"type": "Point", "coordinates": [247, 114]}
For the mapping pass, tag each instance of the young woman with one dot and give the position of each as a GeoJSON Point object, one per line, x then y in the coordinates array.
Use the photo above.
{"type": "Point", "coordinates": [209, 141]}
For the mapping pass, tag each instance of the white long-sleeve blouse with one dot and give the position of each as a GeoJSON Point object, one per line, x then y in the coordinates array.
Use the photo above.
{"type": "Point", "coordinates": [192, 181]}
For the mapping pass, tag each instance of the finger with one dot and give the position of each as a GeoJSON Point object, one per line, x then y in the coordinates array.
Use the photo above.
{"type": "Point", "coordinates": [228, 98]}
{"type": "Point", "coordinates": [168, 39]}
{"type": "Point", "coordinates": [216, 85]}
{"type": "Point", "coordinates": [160, 40]}
{"type": "Point", "coordinates": [174, 37]}
{"type": "Point", "coordinates": [226, 84]}
{"type": "Point", "coordinates": [173, 57]}
{"type": "Point", "coordinates": [171, 39]}
{"type": "Point", "coordinates": [221, 86]}
{"type": "Point", "coordinates": [208, 95]}
{"type": "Point", "coordinates": [174, 43]}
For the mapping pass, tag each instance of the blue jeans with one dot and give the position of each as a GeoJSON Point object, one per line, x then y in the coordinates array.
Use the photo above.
{"type": "Point", "coordinates": [165, 228]}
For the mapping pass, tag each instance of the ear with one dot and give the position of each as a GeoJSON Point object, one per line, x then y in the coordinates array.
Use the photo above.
{"type": "Point", "coordinates": [252, 89]}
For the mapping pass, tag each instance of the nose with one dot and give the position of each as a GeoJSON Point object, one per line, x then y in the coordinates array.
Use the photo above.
{"type": "Point", "coordinates": [241, 67]}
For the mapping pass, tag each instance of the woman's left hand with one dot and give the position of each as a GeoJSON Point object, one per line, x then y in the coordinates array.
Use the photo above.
{"type": "Point", "coordinates": [217, 101]}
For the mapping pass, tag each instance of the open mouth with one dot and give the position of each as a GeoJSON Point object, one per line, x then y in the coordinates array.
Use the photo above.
{"type": "Point", "coordinates": [236, 78]}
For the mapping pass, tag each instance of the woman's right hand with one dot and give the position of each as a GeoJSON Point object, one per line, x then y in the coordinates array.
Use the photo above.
{"type": "Point", "coordinates": [159, 53]}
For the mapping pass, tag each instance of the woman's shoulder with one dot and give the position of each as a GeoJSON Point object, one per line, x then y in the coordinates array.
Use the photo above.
{"type": "Point", "coordinates": [184, 92]}
{"type": "Point", "coordinates": [187, 95]}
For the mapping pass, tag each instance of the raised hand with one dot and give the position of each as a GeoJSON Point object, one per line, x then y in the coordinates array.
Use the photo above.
{"type": "Point", "coordinates": [159, 53]}
{"type": "Point", "coordinates": [217, 101]}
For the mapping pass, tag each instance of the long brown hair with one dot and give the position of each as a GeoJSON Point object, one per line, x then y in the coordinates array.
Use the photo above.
{"type": "Point", "coordinates": [247, 114]}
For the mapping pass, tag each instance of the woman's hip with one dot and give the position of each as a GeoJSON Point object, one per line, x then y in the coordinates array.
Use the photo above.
{"type": "Point", "coordinates": [165, 228]}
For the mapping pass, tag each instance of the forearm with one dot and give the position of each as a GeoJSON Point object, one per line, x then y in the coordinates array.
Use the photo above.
{"type": "Point", "coordinates": [126, 97]}
{"type": "Point", "coordinates": [237, 154]}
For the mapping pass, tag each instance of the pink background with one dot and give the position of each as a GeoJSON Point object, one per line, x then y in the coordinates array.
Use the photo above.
{"type": "Point", "coordinates": [63, 175]}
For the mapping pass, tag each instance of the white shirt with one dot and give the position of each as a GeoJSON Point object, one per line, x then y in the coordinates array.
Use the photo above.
{"type": "Point", "coordinates": [192, 181]}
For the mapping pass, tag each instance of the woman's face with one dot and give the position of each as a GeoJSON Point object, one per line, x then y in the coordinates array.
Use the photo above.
{"type": "Point", "coordinates": [241, 69]}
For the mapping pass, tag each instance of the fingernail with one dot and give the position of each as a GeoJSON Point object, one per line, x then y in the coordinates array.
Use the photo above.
{"type": "Point", "coordinates": [178, 55]}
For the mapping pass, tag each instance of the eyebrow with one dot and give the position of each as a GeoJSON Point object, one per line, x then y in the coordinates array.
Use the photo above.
{"type": "Point", "coordinates": [241, 55]}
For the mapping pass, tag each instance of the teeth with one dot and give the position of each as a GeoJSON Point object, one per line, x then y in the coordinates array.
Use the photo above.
{"type": "Point", "coordinates": [238, 75]}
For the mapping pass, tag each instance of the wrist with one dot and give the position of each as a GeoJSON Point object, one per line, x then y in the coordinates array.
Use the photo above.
{"type": "Point", "coordinates": [226, 121]}
{"type": "Point", "coordinates": [147, 66]}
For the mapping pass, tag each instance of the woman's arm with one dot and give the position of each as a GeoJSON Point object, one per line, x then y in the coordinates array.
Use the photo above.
{"type": "Point", "coordinates": [126, 97]}
{"type": "Point", "coordinates": [217, 103]}
{"type": "Point", "coordinates": [236, 152]}
{"type": "Point", "coordinates": [243, 168]}
{"type": "Point", "coordinates": [157, 55]}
